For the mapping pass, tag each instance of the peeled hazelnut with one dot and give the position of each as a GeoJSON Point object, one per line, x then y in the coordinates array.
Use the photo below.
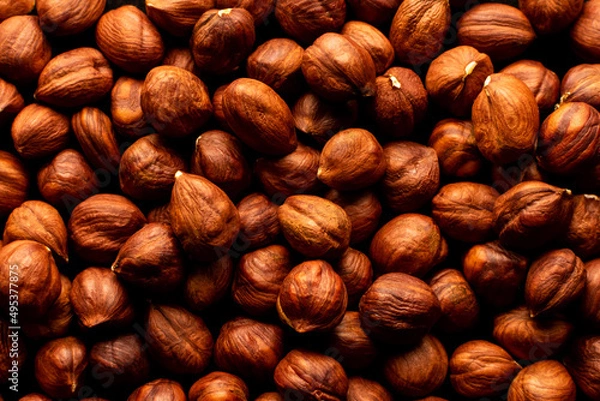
{"type": "Point", "coordinates": [412, 176]}
{"type": "Point", "coordinates": [584, 35]}
{"type": "Point", "coordinates": [159, 214]}
{"type": "Point", "coordinates": [75, 78]}
{"type": "Point", "coordinates": [222, 39]}
{"type": "Point", "coordinates": [455, 145]}
{"type": "Point", "coordinates": [14, 183]}
{"type": "Point", "coordinates": [177, 17]}
{"type": "Point", "coordinates": [582, 362]}
{"type": "Point", "coordinates": [354, 348]}
{"type": "Point", "coordinates": [60, 367]}
{"type": "Point", "coordinates": [127, 37]}
{"type": "Point", "coordinates": [19, 7]}
{"type": "Point", "coordinates": [181, 57]}
{"type": "Point", "coordinates": [360, 389]}
{"type": "Point", "coordinates": [410, 243]}
{"type": "Point", "coordinates": [590, 304]}
{"type": "Point", "coordinates": [376, 12]}
{"type": "Point", "coordinates": [495, 273]}
{"type": "Point", "coordinates": [481, 369]}
{"type": "Point", "coordinates": [541, 81]}
{"type": "Point", "coordinates": [39, 131]}
{"type": "Point", "coordinates": [204, 219]}
{"type": "Point", "coordinates": [581, 84]}
{"type": "Point", "coordinates": [306, 20]}
{"type": "Point", "coordinates": [581, 236]}
{"type": "Point", "coordinates": [456, 77]}
{"type": "Point", "coordinates": [499, 30]}
{"type": "Point", "coordinates": [100, 300]}
{"type": "Point", "coordinates": [259, 277]}
{"type": "Point", "coordinates": [94, 132]}
{"type": "Point", "coordinates": [337, 68]}
{"type": "Point", "coordinates": [126, 108]}
{"type": "Point", "coordinates": [525, 169]}
{"type": "Point", "coordinates": [312, 297]}
{"type": "Point", "coordinates": [314, 226]}
{"type": "Point", "coordinates": [531, 339]}
{"type": "Point", "coordinates": [62, 18]}
{"type": "Point", "coordinates": [310, 376]}
{"type": "Point", "coordinates": [555, 279]}
{"type": "Point", "coordinates": [249, 348]}
{"type": "Point", "coordinates": [548, 17]}
{"type": "Point", "coordinates": [57, 320]}
{"type": "Point", "coordinates": [208, 284]}
{"type": "Point", "coordinates": [373, 41]}
{"type": "Point", "coordinates": [460, 308]}
{"type": "Point", "coordinates": [269, 397]}
{"type": "Point", "coordinates": [354, 267]}
{"type": "Point", "coordinates": [11, 102]}
{"type": "Point", "coordinates": [24, 48]}
{"type": "Point", "coordinates": [259, 225]}
{"type": "Point", "coordinates": [178, 340]}
{"type": "Point", "coordinates": [531, 214]}
{"type": "Point", "coordinates": [418, 30]}
{"type": "Point", "coordinates": [277, 63]}
{"type": "Point", "coordinates": [399, 309]}
{"type": "Point", "coordinates": [543, 381]}
{"type": "Point", "coordinates": [219, 386]}
{"type": "Point", "coordinates": [123, 358]}
{"type": "Point", "coordinates": [363, 209]}
{"type": "Point", "coordinates": [273, 133]}
{"type": "Point", "coordinates": [162, 389]}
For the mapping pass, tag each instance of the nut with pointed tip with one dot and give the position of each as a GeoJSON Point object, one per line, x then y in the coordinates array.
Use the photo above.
{"type": "Point", "coordinates": [277, 63]}
{"type": "Point", "coordinates": [123, 358]}
{"type": "Point", "coordinates": [94, 132]}
{"type": "Point", "coordinates": [584, 35]}
{"type": "Point", "coordinates": [354, 267]}
{"type": "Point", "coordinates": [543, 381]}
{"type": "Point", "coordinates": [207, 284]}
{"type": "Point", "coordinates": [352, 344]}
{"type": "Point", "coordinates": [455, 145]}
{"type": "Point", "coordinates": [14, 183]}
{"type": "Point", "coordinates": [259, 225]}
{"type": "Point", "coordinates": [360, 389]}
{"type": "Point", "coordinates": [177, 17]}
{"type": "Point", "coordinates": [581, 84]}
{"type": "Point", "coordinates": [57, 321]}
{"type": "Point", "coordinates": [543, 82]}
{"type": "Point", "coordinates": [303, 20]}
{"type": "Point", "coordinates": [39, 131]}
{"type": "Point", "coordinates": [582, 361]}
{"type": "Point", "coordinates": [60, 367]}
{"type": "Point", "coordinates": [163, 389]}
{"type": "Point", "coordinates": [126, 108]}
{"type": "Point", "coordinates": [70, 17]}
{"type": "Point", "coordinates": [460, 308]}
{"type": "Point", "coordinates": [219, 386]}
{"type": "Point", "coordinates": [11, 102]}
{"type": "Point", "coordinates": [373, 41]}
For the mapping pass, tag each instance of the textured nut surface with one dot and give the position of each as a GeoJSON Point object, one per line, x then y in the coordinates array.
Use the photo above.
{"type": "Point", "coordinates": [544, 380]}
{"type": "Point", "coordinates": [582, 361]}
{"type": "Point", "coordinates": [355, 348]}
{"type": "Point", "coordinates": [373, 41]}
{"type": "Point", "coordinates": [208, 284]}
{"type": "Point", "coordinates": [584, 35]}
{"type": "Point", "coordinates": [14, 183]}
{"type": "Point", "coordinates": [360, 389]}
{"type": "Point", "coordinates": [306, 20]}
{"type": "Point", "coordinates": [590, 307]}
{"type": "Point", "coordinates": [60, 366]}
{"type": "Point", "coordinates": [259, 225]}
{"type": "Point", "coordinates": [363, 209]}
{"type": "Point", "coordinates": [124, 357]}
{"type": "Point", "coordinates": [177, 17]}
{"type": "Point", "coordinates": [11, 102]}
{"type": "Point", "coordinates": [354, 267]}
{"type": "Point", "coordinates": [94, 132]}
{"type": "Point", "coordinates": [455, 145]}
{"type": "Point", "coordinates": [581, 84]}
{"type": "Point", "coordinates": [460, 307]}
{"type": "Point", "coordinates": [70, 17]}
{"type": "Point", "coordinates": [543, 82]}
{"type": "Point", "coordinates": [39, 131]}
{"type": "Point", "coordinates": [552, 16]}
{"type": "Point", "coordinates": [219, 385]}
{"type": "Point", "coordinates": [126, 107]}
{"type": "Point", "coordinates": [277, 63]}
{"type": "Point", "coordinates": [166, 389]}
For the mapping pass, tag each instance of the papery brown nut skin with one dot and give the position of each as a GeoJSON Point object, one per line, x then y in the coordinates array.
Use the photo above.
{"type": "Point", "coordinates": [60, 367]}
{"type": "Point", "coordinates": [219, 386]}
{"type": "Point", "coordinates": [376, 12]}
{"type": "Point", "coordinates": [543, 82]}
{"type": "Point", "coordinates": [163, 389]}
{"type": "Point", "coordinates": [354, 267]}
{"type": "Point", "coordinates": [410, 243]}
{"type": "Point", "coordinates": [123, 357]}
{"type": "Point", "coordinates": [455, 145]}
{"type": "Point", "coordinates": [258, 279]}
{"type": "Point", "coordinates": [6, 362]}
{"type": "Point", "coordinates": [222, 39]}
{"type": "Point", "coordinates": [338, 69]}
{"type": "Point", "coordinates": [481, 369]}
{"type": "Point", "coordinates": [249, 348]}
{"type": "Point", "coordinates": [399, 309]}
{"type": "Point", "coordinates": [554, 280]}
{"type": "Point", "coordinates": [312, 297]}
{"type": "Point", "coordinates": [204, 219]}
{"type": "Point", "coordinates": [271, 396]}
{"type": "Point", "coordinates": [354, 348]}
{"type": "Point", "coordinates": [151, 259]}
{"type": "Point", "coordinates": [543, 381]}
{"type": "Point", "coordinates": [181, 57]}
{"type": "Point", "coordinates": [260, 10]}
{"type": "Point", "coordinates": [360, 389]}
{"type": "Point", "coordinates": [127, 37]}
{"type": "Point", "coordinates": [19, 7]}
{"type": "Point", "coordinates": [548, 17]}
{"type": "Point", "coordinates": [126, 108]}
{"type": "Point", "coordinates": [11, 102]}
{"type": "Point", "coordinates": [24, 48]}
{"type": "Point", "coordinates": [311, 376]}
{"type": "Point", "coordinates": [218, 112]}
{"type": "Point", "coordinates": [584, 35]}
{"type": "Point", "coordinates": [277, 63]}
{"type": "Point", "coordinates": [177, 339]}
{"type": "Point", "coordinates": [75, 78]}
{"type": "Point", "coordinates": [581, 361]}
{"type": "Point", "coordinates": [61, 18]}
{"type": "Point", "coordinates": [363, 209]}
{"type": "Point", "coordinates": [57, 320]}
{"type": "Point", "coordinates": [373, 41]}
{"type": "Point", "coordinates": [455, 78]}
{"type": "Point", "coordinates": [273, 134]}
{"type": "Point", "coordinates": [100, 300]}
{"type": "Point", "coordinates": [418, 30]}
{"type": "Point", "coordinates": [159, 214]}
{"type": "Point", "coordinates": [531, 214]}
{"type": "Point", "coordinates": [259, 225]}
{"type": "Point", "coordinates": [581, 84]}
{"type": "Point", "coordinates": [531, 339]}
{"type": "Point", "coordinates": [94, 132]}
{"type": "Point", "coordinates": [581, 236]}
{"type": "Point", "coordinates": [177, 17]}
{"type": "Point", "coordinates": [314, 226]}
{"type": "Point", "coordinates": [39, 131]}
{"type": "Point", "coordinates": [589, 306]}
{"type": "Point", "coordinates": [14, 183]}
{"type": "Point", "coordinates": [460, 307]}
{"type": "Point", "coordinates": [499, 30]}
{"type": "Point", "coordinates": [208, 284]}
{"type": "Point", "coordinates": [495, 273]}
{"type": "Point", "coordinates": [306, 20]}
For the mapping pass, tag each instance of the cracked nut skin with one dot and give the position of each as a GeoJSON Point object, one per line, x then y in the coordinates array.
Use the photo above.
{"type": "Point", "coordinates": [456, 148]}
{"type": "Point", "coordinates": [277, 63]}
{"type": "Point", "coordinates": [460, 307]}
{"type": "Point", "coordinates": [126, 108]}
{"type": "Point", "coordinates": [582, 361]}
{"type": "Point", "coordinates": [584, 35]}
{"type": "Point", "coordinates": [590, 299]}
{"type": "Point", "coordinates": [259, 225]}
{"type": "Point", "coordinates": [373, 41]}
{"type": "Point", "coordinates": [207, 284]}
{"type": "Point", "coordinates": [60, 367]}
{"type": "Point", "coordinates": [177, 17]}
{"type": "Point", "coordinates": [581, 84]}
{"type": "Point", "coordinates": [38, 132]}
{"type": "Point", "coordinates": [306, 20]}
{"type": "Point", "coordinates": [543, 82]}
{"type": "Point", "coordinates": [550, 17]}
{"type": "Point", "coordinates": [543, 381]}
{"type": "Point", "coordinates": [11, 102]}
{"type": "Point", "coordinates": [352, 344]}
{"type": "Point", "coordinates": [68, 17]}
{"type": "Point", "coordinates": [163, 389]}
{"type": "Point", "coordinates": [94, 132]}
{"type": "Point", "coordinates": [360, 389]}
{"type": "Point", "coordinates": [363, 209]}
{"type": "Point", "coordinates": [219, 386]}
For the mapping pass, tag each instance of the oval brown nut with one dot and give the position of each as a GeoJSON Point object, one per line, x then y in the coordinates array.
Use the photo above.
{"type": "Point", "coordinates": [582, 84]}
{"type": "Point", "coordinates": [68, 17]}
{"type": "Point", "coordinates": [544, 380]}
{"type": "Point", "coordinates": [460, 307]}
{"type": "Point", "coordinates": [553, 16]}
{"type": "Point", "coordinates": [94, 132]}
{"type": "Point", "coordinates": [19, 7]}
{"type": "Point", "coordinates": [590, 300]}
{"type": "Point", "coordinates": [177, 17]}
{"type": "Point", "coordinates": [543, 82]}
{"type": "Point", "coordinates": [363, 209]}
{"type": "Point", "coordinates": [360, 389]}
{"type": "Point", "coordinates": [259, 225]}
{"type": "Point", "coordinates": [306, 20]}
{"type": "Point", "coordinates": [219, 385]}
{"type": "Point", "coordinates": [14, 183]}
{"type": "Point", "coordinates": [160, 388]}
{"type": "Point", "coordinates": [354, 348]}
{"type": "Point", "coordinates": [277, 63]}
{"type": "Point", "coordinates": [60, 367]}
{"type": "Point", "coordinates": [11, 102]}
{"type": "Point", "coordinates": [354, 267]}
{"type": "Point", "coordinates": [455, 145]}
{"type": "Point", "coordinates": [582, 361]}
{"type": "Point", "coordinates": [57, 321]}
{"type": "Point", "coordinates": [584, 33]}
{"type": "Point", "coordinates": [373, 41]}
{"type": "Point", "coordinates": [260, 10]}
{"type": "Point", "coordinates": [126, 108]}
{"type": "Point", "coordinates": [208, 283]}
{"type": "Point", "coordinates": [39, 131]}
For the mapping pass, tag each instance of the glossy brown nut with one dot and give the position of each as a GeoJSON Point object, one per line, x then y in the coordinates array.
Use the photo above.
{"type": "Point", "coordinates": [543, 82]}
{"type": "Point", "coordinates": [126, 108]}
{"type": "Point", "coordinates": [360, 389]}
{"type": "Point", "coordinates": [544, 380]}
{"type": "Point", "coordinates": [277, 63]}
{"type": "Point", "coordinates": [164, 389]}
{"type": "Point", "coordinates": [584, 36]}
{"type": "Point", "coordinates": [259, 225]}
{"type": "Point", "coordinates": [218, 112]}
{"type": "Point", "coordinates": [39, 131]}
{"type": "Point", "coordinates": [94, 132]}
{"type": "Point", "coordinates": [548, 17]}
{"type": "Point", "coordinates": [61, 18]}
{"type": "Point", "coordinates": [260, 10]}
{"type": "Point", "coordinates": [581, 84]}
{"type": "Point", "coordinates": [363, 209]}
{"type": "Point", "coordinates": [456, 148]}
{"type": "Point", "coordinates": [208, 284]}
{"type": "Point", "coordinates": [590, 305]}
{"type": "Point", "coordinates": [19, 7]}
{"type": "Point", "coordinates": [11, 102]}
{"type": "Point", "coordinates": [354, 267]}
{"type": "Point", "coordinates": [14, 183]}
{"type": "Point", "coordinates": [60, 367]}
{"type": "Point", "coordinates": [373, 41]}
{"type": "Point", "coordinates": [304, 20]}
{"type": "Point", "coordinates": [376, 12]}
{"type": "Point", "coordinates": [271, 396]}
{"type": "Point", "coordinates": [460, 307]}
{"type": "Point", "coordinates": [177, 17]}
{"type": "Point", "coordinates": [57, 321]}
{"type": "Point", "coordinates": [159, 214]}
{"type": "Point", "coordinates": [354, 349]}
{"type": "Point", "coordinates": [219, 386]}
{"type": "Point", "coordinates": [581, 361]}
{"type": "Point", "coordinates": [181, 57]}
{"type": "Point", "coordinates": [580, 235]}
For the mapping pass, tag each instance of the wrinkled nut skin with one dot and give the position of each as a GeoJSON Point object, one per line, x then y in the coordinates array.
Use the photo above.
{"type": "Point", "coordinates": [354, 267]}
{"type": "Point", "coordinates": [218, 112]}
{"type": "Point", "coordinates": [495, 273]}
{"type": "Point", "coordinates": [581, 84]}
{"type": "Point", "coordinates": [410, 243]}
{"type": "Point", "coordinates": [481, 369]}
{"type": "Point", "coordinates": [259, 225]}
{"type": "Point", "coordinates": [260, 9]}
{"type": "Point", "coordinates": [363, 209]}
{"type": "Point", "coordinates": [373, 41]}
{"type": "Point", "coordinates": [277, 63]}
{"type": "Point", "coordinates": [418, 30]}
{"type": "Point", "coordinates": [360, 389]}
{"type": "Point", "coordinates": [159, 214]}
{"type": "Point", "coordinates": [590, 300]}
{"type": "Point", "coordinates": [19, 7]}
{"type": "Point", "coordinates": [272, 134]}
{"type": "Point", "coordinates": [39, 131]}
{"type": "Point", "coordinates": [456, 148]}
{"type": "Point", "coordinates": [208, 284]}
{"type": "Point", "coordinates": [548, 17]}
{"type": "Point", "coordinates": [219, 386]}
{"type": "Point", "coordinates": [127, 37]}
{"type": "Point", "coordinates": [417, 371]}
{"type": "Point", "coordinates": [178, 339]}
{"type": "Point", "coordinates": [204, 219]}
{"type": "Point", "coordinates": [94, 132]}
{"type": "Point", "coordinates": [582, 361]}
{"type": "Point", "coordinates": [531, 214]}
{"type": "Point", "coordinates": [338, 69]}
{"type": "Point", "coordinates": [354, 348]}
{"type": "Point", "coordinates": [163, 389]}
{"type": "Point", "coordinates": [14, 183]}
{"type": "Point", "coordinates": [11, 102]}
{"type": "Point", "coordinates": [177, 17]}
{"type": "Point", "coordinates": [314, 226]}
{"type": "Point", "coordinates": [399, 309]}
{"type": "Point", "coordinates": [581, 236]}
{"type": "Point", "coordinates": [181, 57]}
{"type": "Point", "coordinates": [460, 307]}
{"type": "Point", "coordinates": [312, 298]}
{"type": "Point", "coordinates": [499, 30]}
{"type": "Point", "coordinates": [258, 279]}
{"type": "Point", "coordinates": [377, 12]}
{"type": "Point", "coordinates": [57, 321]}
{"type": "Point", "coordinates": [61, 18]}
{"type": "Point", "coordinates": [412, 176]}
{"type": "Point", "coordinates": [543, 82]}
{"type": "Point", "coordinates": [60, 367]}
{"type": "Point", "coordinates": [456, 77]}
{"type": "Point", "coordinates": [543, 381]}
{"type": "Point", "coordinates": [249, 348]}
{"type": "Point", "coordinates": [126, 108]}
{"type": "Point", "coordinates": [584, 35]}
{"type": "Point", "coordinates": [310, 376]}
{"type": "Point", "coordinates": [222, 39]}
{"type": "Point", "coordinates": [306, 20]}
{"type": "Point", "coordinates": [528, 338]}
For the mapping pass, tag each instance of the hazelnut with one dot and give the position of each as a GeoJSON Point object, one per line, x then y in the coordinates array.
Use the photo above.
{"type": "Point", "coordinates": [126, 108]}
{"type": "Point", "coordinates": [260, 9]}
{"type": "Point", "coordinates": [544, 380]}
{"type": "Point", "coordinates": [159, 214]}
{"type": "Point", "coordinates": [269, 397]}
{"type": "Point", "coordinates": [376, 12]}
{"type": "Point", "coordinates": [399, 309]}
{"type": "Point", "coordinates": [218, 112]}
{"type": "Point", "coordinates": [363, 209]}
{"type": "Point", "coordinates": [75, 78]}
{"type": "Point", "coordinates": [163, 389]}
{"type": "Point", "coordinates": [543, 82]}
{"type": "Point", "coordinates": [314, 226]}
{"type": "Point", "coordinates": [582, 362]}
{"type": "Point", "coordinates": [6, 347]}
{"type": "Point", "coordinates": [14, 183]}
{"type": "Point", "coordinates": [208, 284]}
{"type": "Point", "coordinates": [259, 225]}
{"type": "Point", "coordinates": [57, 320]}
{"type": "Point", "coordinates": [306, 20]}
{"type": "Point", "coordinates": [277, 63]}
{"type": "Point", "coordinates": [222, 39]}
{"type": "Point", "coordinates": [580, 235]}
{"type": "Point", "coordinates": [310, 376]}
{"type": "Point", "coordinates": [481, 369]}
{"type": "Point", "coordinates": [217, 386]}
{"type": "Point", "coordinates": [178, 340]}
{"type": "Point", "coordinates": [181, 57]}
{"type": "Point", "coordinates": [177, 17]}
{"type": "Point", "coordinates": [249, 348]}
{"type": "Point", "coordinates": [354, 267]}
{"type": "Point", "coordinates": [354, 348]}
{"type": "Point", "coordinates": [548, 17]}
{"type": "Point", "coordinates": [584, 35]}
{"type": "Point", "coordinates": [526, 169]}
{"type": "Point", "coordinates": [19, 7]}
{"type": "Point", "coordinates": [373, 41]}
{"type": "Point", "coordinates": [337, 68]}
{"type": "Point", "coordinates": [35, 397]}
{"type": "Point", "coordinates": [127, 37]}
{"type": "Point", "coordinates": [410, 243]}
{"type": "Point", "coordinates": [360, 389]}
{"type": "Point", "coordinates": [71, 17]}
{"type": "Point", "coordinates": [590, 305]}
{"type": "Point", "coordinates": [460, 308]}
{"type": "Point", "coordinates": [94, 132]}
{"type": "Point", "coordinates": [312, 297]}
{"type": "Point", "coordinates": [456, 77]}
{"type": "Point", "coordinates": [418, 30]}
{"type": "Point", "coordinates": [11, 102]}
{"type": "Point", "coordinates": [456, 148]}
{"type": "Point", "coordinates": [39, 131]}
{"type": "Point", "coordinates": [100, 300]}
{"type": "Point", "coordinates": [581, 84]}
{"type": "Point", "coordinates": [60, 367]}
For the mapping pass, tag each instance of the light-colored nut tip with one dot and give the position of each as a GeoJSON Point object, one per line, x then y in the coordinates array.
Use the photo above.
{"type": "Point", "coordinates": [178, 174]}
{"type": "Point", "coordinates": [487, 81]}
{"type": "Point", "coordinates": [395, 83]}
{"type": "Point", "coordinates": [225, 11]}
{"type": "Point", "coordinates": [470, 68]}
